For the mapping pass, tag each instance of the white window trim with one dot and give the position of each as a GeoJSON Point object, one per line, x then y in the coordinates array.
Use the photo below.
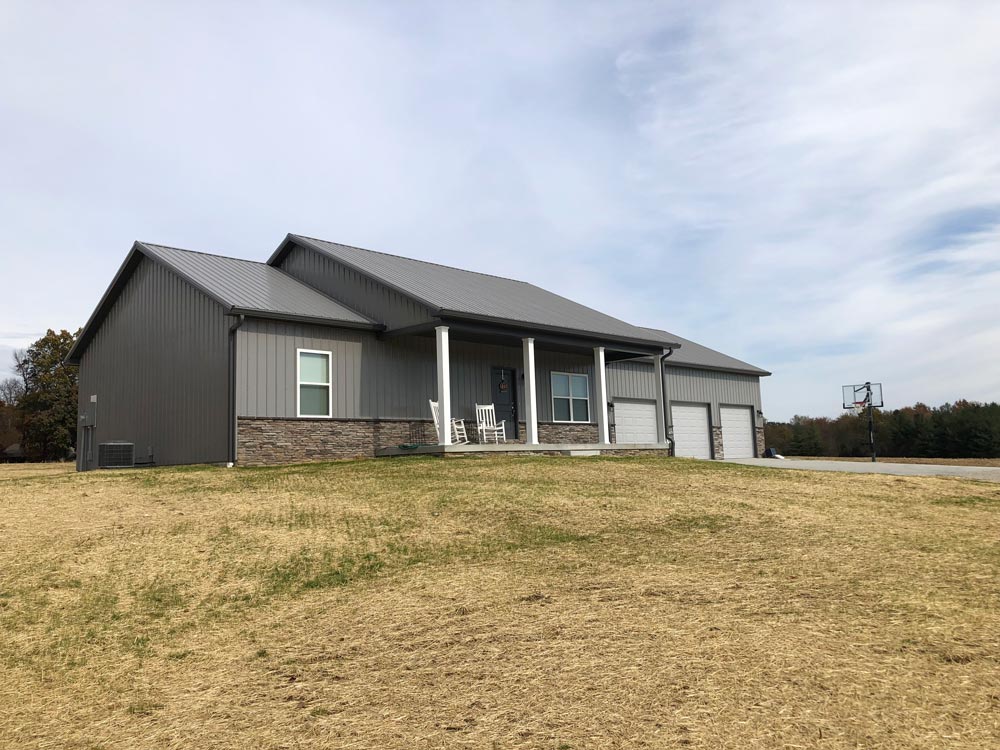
{"type": "Point", "coordinates": [299, 384]}
{"type": "Point", "coordinates": [553, 397]}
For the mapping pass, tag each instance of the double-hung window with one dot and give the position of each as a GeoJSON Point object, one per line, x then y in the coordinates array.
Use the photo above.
{"type": "Point", "coordinates": [314, 395]}
{"type": "Point", "coordinates": [570, 397]}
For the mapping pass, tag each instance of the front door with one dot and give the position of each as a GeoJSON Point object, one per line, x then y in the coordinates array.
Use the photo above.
{"type": "Point", "coordinates": [505, 398]}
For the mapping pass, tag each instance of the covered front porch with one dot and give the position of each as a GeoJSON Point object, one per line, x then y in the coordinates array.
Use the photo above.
{"type": "Point", "coordinates": [552, 391]}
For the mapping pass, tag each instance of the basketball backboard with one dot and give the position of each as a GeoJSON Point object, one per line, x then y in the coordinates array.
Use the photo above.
{"type": "Point", "coordinates": [854, 395]}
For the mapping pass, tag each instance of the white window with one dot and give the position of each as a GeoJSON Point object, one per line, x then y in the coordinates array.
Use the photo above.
{"type": "Point", "coordinates": [314, 396]}
{"type": "Point", "coordinates": [570, 397]}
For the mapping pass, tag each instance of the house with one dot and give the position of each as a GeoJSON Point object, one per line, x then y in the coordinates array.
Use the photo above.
{"type": "Point", "coordinates": [12, 454]}
{"type": "Point", "coordinates": [330, 351]}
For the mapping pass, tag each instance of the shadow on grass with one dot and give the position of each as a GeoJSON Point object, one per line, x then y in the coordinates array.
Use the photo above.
{"type": "Point", "coordinates": [970, 501]}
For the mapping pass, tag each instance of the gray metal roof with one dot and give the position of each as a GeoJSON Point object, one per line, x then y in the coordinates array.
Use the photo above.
{"type": "Point", "coordinates": [693, 354]}
{"type": "Point", "coordinates": [244, 286]}
{"type": "Point", "coordinates": [249, 286]}
{"type": "Point", "coordinates": [454, 292]}
{"type": "Point", "coordinates": [240, 286]}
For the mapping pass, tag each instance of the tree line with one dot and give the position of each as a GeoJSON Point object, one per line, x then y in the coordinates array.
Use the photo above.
{"type": "Point", "coordinates": [964, 429]}
{"type": "Point", "coordinates": [38, 408]}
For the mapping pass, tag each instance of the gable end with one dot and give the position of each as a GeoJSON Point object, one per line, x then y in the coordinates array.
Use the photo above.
{"type": "Point", "coordinates": [350, 286]}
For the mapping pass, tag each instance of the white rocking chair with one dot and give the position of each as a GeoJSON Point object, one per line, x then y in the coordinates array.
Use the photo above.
{"type": "Point", "coordinates": [458, 435]}
{"type": "Point", "coordinates": [486, 425]}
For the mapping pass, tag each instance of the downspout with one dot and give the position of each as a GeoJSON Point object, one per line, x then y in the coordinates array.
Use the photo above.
{"type": "Point", "coordinates": [666, 401]}
{"type": "Point", "coordinates": [232, 389]}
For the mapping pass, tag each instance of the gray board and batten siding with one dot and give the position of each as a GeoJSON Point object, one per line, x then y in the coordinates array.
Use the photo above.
{"type": "Point", "coordinates": [360, 292]}
{"type": "Point", "coordinates": [636, 379]}
{"type": "Point", "coordinates": [632, 379]}
{"type": "Point", "coordinates": [382, 378]}
{"type": "Point", "coordinates": [684, 384]}
{"type": "Point", "coordinates": [179, 413]}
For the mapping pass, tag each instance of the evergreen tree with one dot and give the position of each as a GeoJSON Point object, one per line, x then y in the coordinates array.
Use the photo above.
{"type": "Point", "coordinates": [778, 435]}
{"type": "Point", "coordinates": [964, 429]}
{"type": "Point", "coordinates": [49, 404]}
{"type": "Point", "coordinates": [924, 441]}
{"type": "Point", "coordinates": [805, 440]}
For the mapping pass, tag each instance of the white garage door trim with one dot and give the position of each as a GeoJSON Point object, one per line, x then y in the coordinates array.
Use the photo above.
{"type": "Point", "coordinates": [635, 421]}
{"type": "Point", "coordinates": [692, 436]}
{"type": "Point", "coordinates": [737, 431]}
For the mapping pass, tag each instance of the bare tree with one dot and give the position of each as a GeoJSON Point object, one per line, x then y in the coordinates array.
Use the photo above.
{"type": "Point", "coordinates": [11, 391]}
{"type": "Point", "coordinates": [21, 364]}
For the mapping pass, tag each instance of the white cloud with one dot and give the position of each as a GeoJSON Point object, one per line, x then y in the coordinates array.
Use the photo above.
{"type": "Point", "coordinates": [813, 144]}
{"type": "Point", "coordinates": [767, 178]}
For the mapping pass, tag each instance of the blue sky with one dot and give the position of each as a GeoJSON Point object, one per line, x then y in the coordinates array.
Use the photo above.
{"type": "Point", "coordinates": [811, 187]}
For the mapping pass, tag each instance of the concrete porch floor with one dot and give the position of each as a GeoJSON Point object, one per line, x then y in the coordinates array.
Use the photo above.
{"type": "Point", "coordinates": [558, 449]}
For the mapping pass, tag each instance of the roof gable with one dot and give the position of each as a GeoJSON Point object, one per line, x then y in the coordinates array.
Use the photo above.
{"type": "Point", "coordinates": [249, 286]}
{"type": "Point", "coordinates": [239, 286]}
{"type": "Point", "coordinates": [455, 292]}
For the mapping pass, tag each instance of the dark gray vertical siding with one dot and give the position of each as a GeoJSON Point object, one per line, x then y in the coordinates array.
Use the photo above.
{"type": "Point", "coordinates": [685, 384]}
{"type": "Point", "coordinates": [158, 365]}
{"type": "Point", "coordinates": [381, 378]}
{"type": "Point", "coordinates": [631, 380]}
{"type": "Point", "coordinates": [400, 377]}
{"type": "Point", "coordinates": [265, 354]}
{"type": "Point", "coordinates": [344, 284]}
{"type": "Point", "coordinates": [713, 387]}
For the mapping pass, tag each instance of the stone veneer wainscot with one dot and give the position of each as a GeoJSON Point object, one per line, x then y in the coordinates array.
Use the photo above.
{"type": "Point", "coordinates": [268, 440]}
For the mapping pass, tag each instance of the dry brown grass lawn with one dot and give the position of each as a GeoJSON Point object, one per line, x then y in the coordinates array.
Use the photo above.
{"type": "Point", "coordinates": [498, 603]}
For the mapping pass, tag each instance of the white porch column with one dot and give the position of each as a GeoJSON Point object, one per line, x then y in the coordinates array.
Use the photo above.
{"type": "Point", "coordinates": [444, 386]}
{"type": "Point", "coordinates": [530, 393]}
{"type": "Point", "coordinates": [601, 372]}
{"type": "Point", "coordinates": [661, 422]}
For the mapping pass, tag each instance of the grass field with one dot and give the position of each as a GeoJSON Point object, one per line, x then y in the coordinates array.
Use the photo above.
{"type": "Point", "coordinates": [498, 603]}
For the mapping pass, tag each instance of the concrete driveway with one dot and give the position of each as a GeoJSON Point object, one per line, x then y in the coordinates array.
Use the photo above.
{"type": "Point", "coordinates": [986, 473]}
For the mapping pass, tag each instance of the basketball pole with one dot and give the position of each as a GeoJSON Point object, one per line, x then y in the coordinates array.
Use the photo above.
{"type": "Point", "coordinates": [871, 420]}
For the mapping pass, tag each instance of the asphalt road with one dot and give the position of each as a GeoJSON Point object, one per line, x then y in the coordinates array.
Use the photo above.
{"type": "Point", "coordinates": [985, 473]}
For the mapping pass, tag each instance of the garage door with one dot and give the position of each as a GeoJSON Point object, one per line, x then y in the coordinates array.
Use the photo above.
{"type": "Point", "coordinates": [737, 431]}
{"type": "Point", "coordinates": [635, 421]}
{"type": "Point", "coordinates": [691, 438]}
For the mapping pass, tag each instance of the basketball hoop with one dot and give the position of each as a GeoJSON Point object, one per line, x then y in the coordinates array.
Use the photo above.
{"type": "Point", "coordinates": [871, 394]}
